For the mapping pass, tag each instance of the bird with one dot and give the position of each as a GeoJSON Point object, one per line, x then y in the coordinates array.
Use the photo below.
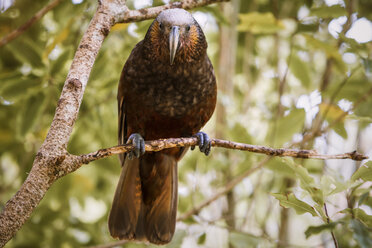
{"type": "Point", "coordinates": [167, 89]}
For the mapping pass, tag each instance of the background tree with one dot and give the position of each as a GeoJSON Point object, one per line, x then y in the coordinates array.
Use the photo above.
{"type": "Point", "coordinates": [292, 74]}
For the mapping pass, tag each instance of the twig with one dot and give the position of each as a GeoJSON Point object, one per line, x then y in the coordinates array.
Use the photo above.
{"type": "Point", "coordinates": [17, 32]}
{"type": "Point", "coordinates": [328, 221]}
{"type": "Point", "coordinates": [158, 145]}
{"type": "Point", "coordinates": [149, 13]}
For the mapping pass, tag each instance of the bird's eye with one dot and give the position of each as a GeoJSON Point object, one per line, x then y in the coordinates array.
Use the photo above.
{"type": "Point", "coordinates": [188, 28]}
{"type": "Point", "coordinates": [161, 25]}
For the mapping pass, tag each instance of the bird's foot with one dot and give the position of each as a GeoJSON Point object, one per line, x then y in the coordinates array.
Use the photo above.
{"type": "Point", "coordinates": [139, 145]}
{"type": "Point", "coordinates": [204, 143]}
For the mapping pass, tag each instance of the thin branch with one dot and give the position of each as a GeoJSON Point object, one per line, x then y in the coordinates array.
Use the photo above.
{"type": "Point", "coordinates": [149, 13]}
{"type": "Point", "coordinates": [328, 221]}
{"type": "Point", "coordinates": [17, 32]}
{"type": "Point", "coordinates": [158, 145]}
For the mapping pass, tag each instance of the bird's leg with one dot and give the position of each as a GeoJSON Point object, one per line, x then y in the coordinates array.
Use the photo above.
{"type": "Point", "coordinates": [204, 143]}
{"type": "Point", "coordinates": [139, 145]}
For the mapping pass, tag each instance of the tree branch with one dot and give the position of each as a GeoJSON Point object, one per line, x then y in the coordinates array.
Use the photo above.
{"type": "Point", "coordinates": [158, 145]}
{"type": "Point", "coordinates": [329, 221]}
{"type": "Point", "coordinates": [17, 32]}
{"type": "Point", "coordinates": [149, 13]}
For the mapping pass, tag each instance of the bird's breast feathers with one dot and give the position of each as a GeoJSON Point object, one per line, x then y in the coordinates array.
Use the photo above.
{"type": "Point", "coordinates": [171, 90]}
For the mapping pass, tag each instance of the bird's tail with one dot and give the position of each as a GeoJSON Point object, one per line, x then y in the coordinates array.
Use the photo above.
{"type": "Point", "coordinates": [145, 202]}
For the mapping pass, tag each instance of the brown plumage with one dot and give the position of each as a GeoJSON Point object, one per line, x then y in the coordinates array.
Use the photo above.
{"type": "Point", "coordinates": [167, 89]}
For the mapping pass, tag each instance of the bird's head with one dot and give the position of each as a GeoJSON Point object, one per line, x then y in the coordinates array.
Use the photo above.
{"type": "Point", "coordinates": [176, 37]}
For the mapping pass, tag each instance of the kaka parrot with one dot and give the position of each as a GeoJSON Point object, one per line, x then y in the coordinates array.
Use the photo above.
{"type": "Point", "coordinates": [167, 89]}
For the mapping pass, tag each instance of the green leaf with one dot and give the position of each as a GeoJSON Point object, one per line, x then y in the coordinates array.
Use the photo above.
{"type": "Point", "coordinates": [366, 199]}
{"type": "Point", "coordinates": [243, 240]}
{"type": "Point", "coordinates": [333, 113]}
{"type": "Point", "coordinates": [331, 186]}
{"type": "Point", "coordinates": [201, 239]}
{"type": "Point", "coordinates": [190, 220]}
{"type": "Point", "coordinates": [32, 109]}
{"type": "Point", "coordinates": [364, 172]}
{"type": "Point", "coordinates": [14, 89]}
{"type": "Point", "coordinates": [287, 126]}
{"type": "Point", "coordinates": [363, 119]}
{"type": "Point", "coordinates": [354, 88]}
{"type": "Point", "coordinates": [330, 50]}
{"type": "Point", "coordinates": [333, 11]}
{"type": "Point", "coordinates": [363, 217]}
{"type": "Point", "coordinates": [239, 133]}
{"type": "Point", "coordinates": [300, 70]}
{"type": "Point", "coordinates": [318, 229]}
{"type": "Point", "coordinates": [278, 165]}
{"type": "Point", "coordinates": [339, 128]}
{"type": "Point", "coordinates": [304, 27]}
{"type": "Point", "coordinates": [290, 201]}
{"type": "Point", "coordinates": [59, 64]}
{"type": "Point", "coordinates": [26, 51]}
{"type": "Point", "coordinates": [320, 210]}
{"type": "Point", "coordinates": [306, 181]}
{"type": "Point", "coordinates": [367, 64]}
{"type": "Point", "coordinates": [259, 23]}
{"type": "Point", "coordinates": [361, 234]}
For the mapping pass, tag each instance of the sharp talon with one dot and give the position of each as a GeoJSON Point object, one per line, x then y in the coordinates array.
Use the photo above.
{"type": "Point", "coordinates": [208, 149]}
{"type": "Point", "coordinates": [139, 145]}
{"type": "Point", "coordinates": [204, 142]}
{"type": "Point", "coordinates": [192, 148]}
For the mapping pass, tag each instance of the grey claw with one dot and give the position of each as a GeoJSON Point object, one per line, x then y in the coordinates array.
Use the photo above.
{"type": "Point", "coordinates": [139, 145]}
{"type": "Point", "coordinates": [204, 143]}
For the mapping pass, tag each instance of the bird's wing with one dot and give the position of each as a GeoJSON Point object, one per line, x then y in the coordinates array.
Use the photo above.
{"type": "Point", "coordinates": [122, 134]}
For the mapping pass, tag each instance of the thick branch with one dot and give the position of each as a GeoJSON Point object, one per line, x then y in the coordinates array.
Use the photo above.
{"type": "Point", "coordinates": [158, 145]}
{"type": "Point", "coordinates": [47, 164]}
{"type": "Point", "coordinates": [17, 32]}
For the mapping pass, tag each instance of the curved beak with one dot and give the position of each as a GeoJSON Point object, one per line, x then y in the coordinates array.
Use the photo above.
{"type": "Point", "coordinates": [173, 42]}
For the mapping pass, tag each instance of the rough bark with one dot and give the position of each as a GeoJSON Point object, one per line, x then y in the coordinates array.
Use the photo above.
{"type": "Point", "coordinates": [158, 145]}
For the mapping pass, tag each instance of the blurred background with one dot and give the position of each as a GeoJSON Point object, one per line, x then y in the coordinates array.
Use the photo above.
{"type": "Point", "coordinates": [290, 74]}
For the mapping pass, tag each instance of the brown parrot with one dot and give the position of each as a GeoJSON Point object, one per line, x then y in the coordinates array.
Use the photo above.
{"type": "Point", "coordinates": [167, 89]}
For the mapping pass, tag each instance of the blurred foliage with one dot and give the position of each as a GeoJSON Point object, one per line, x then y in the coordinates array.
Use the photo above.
{"type": "Point", "coordinates": [283, 51]}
